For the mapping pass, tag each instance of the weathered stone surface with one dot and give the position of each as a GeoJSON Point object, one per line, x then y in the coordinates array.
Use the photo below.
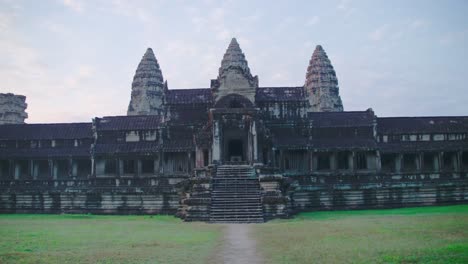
{"type": "Point", "coordinates": [234, 75]}
{"type": "Point", "coordinates": [12, 108]}
{"type": "Point", "coordinates": [147, 87]}
{"type": "Point", "coordinates": [321, 84]}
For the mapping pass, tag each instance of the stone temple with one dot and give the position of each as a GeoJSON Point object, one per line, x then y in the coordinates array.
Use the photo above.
{"type": "Point", "coordinates": [233, 152]}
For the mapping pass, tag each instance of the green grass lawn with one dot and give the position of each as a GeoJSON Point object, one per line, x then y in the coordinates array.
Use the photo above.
{"type": "Point", "coordinates": [104, 239]}
{"type": "Point", "coordinates": [410, 235]}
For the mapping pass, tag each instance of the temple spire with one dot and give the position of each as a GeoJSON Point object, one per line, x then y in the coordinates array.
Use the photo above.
{"type": "Point", "coordinates": [234, 57]}
{"type": "Point", "coordinates": [321, 83]}
{"type": "Point", "coordinates": [147, 87]}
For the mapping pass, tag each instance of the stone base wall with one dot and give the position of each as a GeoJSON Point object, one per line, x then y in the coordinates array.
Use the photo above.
{"type": "Point", "coordinates": [98, 196]}
{"type": "Point", "coordinates": [367, 191]}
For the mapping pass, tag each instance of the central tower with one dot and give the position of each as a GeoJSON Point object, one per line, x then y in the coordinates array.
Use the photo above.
{"type": "Point", "coordinates": [234, 77]}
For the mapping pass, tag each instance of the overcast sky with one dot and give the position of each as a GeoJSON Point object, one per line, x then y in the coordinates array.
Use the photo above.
{"type": "Point", "coordinates": [75, 59]}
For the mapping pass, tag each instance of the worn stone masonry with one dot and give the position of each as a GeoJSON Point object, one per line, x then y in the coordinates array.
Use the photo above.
{"type": "Point", "coordinates": [234, 152]}
{"type": "Point", "coordinates": [12, 108]}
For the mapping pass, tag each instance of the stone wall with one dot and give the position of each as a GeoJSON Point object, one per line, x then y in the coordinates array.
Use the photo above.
{"type": "Point", "coordinates": [100, 196]}
{"type": "Point", "coordinates": [12, 109]}
{"type": "Point", "coordinates": [365, 191]}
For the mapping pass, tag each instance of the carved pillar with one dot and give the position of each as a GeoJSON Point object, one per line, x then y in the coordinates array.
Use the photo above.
{"type": "Point", "coordinates": [31, 170]}
{"type": "Point", "coordinates": [155, 165]}
{"type": "Point", "coordinates": [216, 142]}
{"type": "Point", "coordinates": [440, 157]}
{"type": "Point", "coordinates": [281, 159]}
{"type": "Point", "coordinates": [309, 161]}
{"type": "Point", "coordinates": [314, 161]}
{"type": "Point", "coordinates": [117, 168]}
{"type": "Point", "coordinates": [333, 165]}
{"type": "Point", "coordinates": [161, 163]}
{"type": "Point", "coordinates": [420, 161]}
{"type": "Point", "coordinates": [273, 160]}
{"type": "Point", "coordinates": [254, 139]}
{"type": "Point", "coordinates": [351, 161]}
{"type": "Point", "coordinates": [93, 167]}
{"type": "Point", "coordinates": [17, 172]}
{"type": "Point", "coordinates": [11, 169]}
{"type": "Point", "coordinates": [70, 168]}
{"type": "Point", "coordinates": [138, 167]}
{"type": "Point", "coordinates": [189, 156]}
{"type": "Point", "coordinates": [378, 161]}
{"type": "Point", "coordinates": [398, 162]}
{"type": "Point", "coordinates": [436, 162]}
{"type": "Point", "coordinates": [459, 161]}
{"type": "Point", "coordinates": [51, 168]}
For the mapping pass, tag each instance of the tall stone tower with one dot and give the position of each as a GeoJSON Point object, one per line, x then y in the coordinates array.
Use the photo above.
{"type": "Point", "coordinates": [147, 87]}
{"type": "Point", "coordinates": [321, 84]}
{"type": "Point", "coordinates": [234, 75]}
{"type": "Point", "coordinates": [12, 108]}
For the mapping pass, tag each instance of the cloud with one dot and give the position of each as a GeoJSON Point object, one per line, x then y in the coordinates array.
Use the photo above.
{"type": "Point", "coordinates": [313, 21]}
{"type": "Point", "coordinates": [130, 9]}
{"type": "Point", "coordinates": [418, 23]}
{"type": "Point", "coordinates": [379, 33]}
{"type": "Point", "coordinates": [75, 5]}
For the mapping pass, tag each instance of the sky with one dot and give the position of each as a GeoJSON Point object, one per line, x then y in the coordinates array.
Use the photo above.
{"type": "Point", "coordinates": [75, 59]}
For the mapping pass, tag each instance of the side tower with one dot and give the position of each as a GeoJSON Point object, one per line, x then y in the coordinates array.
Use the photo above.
{"type": "Point", "coordinates": [147, 87]}
{"type": "Point", "coordinates": [234, 75]}
{"type": "Point", "coordinates": [12, 108]}
{"type": "Point", "coordinates": [321, 84]}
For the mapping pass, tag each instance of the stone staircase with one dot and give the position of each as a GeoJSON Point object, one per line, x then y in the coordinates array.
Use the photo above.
{"type": "Point", "coordinates": [236, 195]}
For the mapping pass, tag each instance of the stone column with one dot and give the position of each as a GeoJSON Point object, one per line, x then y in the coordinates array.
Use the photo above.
{"type": "Point", "coordinates": [441, 161]}
{"type": "Point", "coordinates": [398, 162]}
{"type": "Point", "coordinates": [139, 166]}
{"type": "Point", "coordinates": [155, 165]}
{"type": "Point", "coordinates": [31, 170]}
{"type": "Point", "coordinates": [333, 165]}
{"type": "Point", "coordinates": [281, 157]}
{"type": "Point", "coordinates": [216, 142]}
{"type": "Point", "coordinates": [378, 161]}
{"type": "Point", "coordinates": [16, 169]}
{"type": "Point", "coordinates": [161, 163]}
{"type": "Point", "coordinates": [93, 168]}
{"type": "Point", "coordinates": [436, 162]}
{"type": "Point", "coordinates": [51, 168]}
{"type": "Point", "coordinates": [117, 168]}
{"type": "Point", "coordinates": [420, 159]}
{"type": "Point", "coordinates": [11, 169]}
{"type": "Point", "coordinates": [309, 161]}
{"type": "Point", "coordinates": [255, 146]}
{"type": "Point", "coordinates": [189, 156]}
{"type": "Point", "coordinates": [459, 161]}
{"type": "Point", "coordinates": [273, 160]}
{"type": "Point", "coordinates": [351, 161]}
{"type": "Point", "coordinates": [70, 168]}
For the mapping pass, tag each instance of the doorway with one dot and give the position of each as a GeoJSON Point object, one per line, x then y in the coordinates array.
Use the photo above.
{"type": "Point", "coordinates": [235, 150]}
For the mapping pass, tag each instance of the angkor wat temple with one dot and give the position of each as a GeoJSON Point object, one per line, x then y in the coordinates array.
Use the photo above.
{"type": "Point", "coordinates": [234, 152]}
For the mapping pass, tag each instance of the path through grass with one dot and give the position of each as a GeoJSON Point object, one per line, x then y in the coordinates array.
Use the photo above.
{"type": "Point", "coordinates": [410, 235]}
{"type": "Point", "coordinates": [104, 239]}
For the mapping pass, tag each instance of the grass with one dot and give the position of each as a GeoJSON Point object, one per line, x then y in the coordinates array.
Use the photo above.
{"type": "Point", "coordinates": [409, 235]}
{"type": "Point", "coordinates": [104, 239]}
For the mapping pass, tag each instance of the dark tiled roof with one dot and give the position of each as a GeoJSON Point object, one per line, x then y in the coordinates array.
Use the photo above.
{"type": "Point", "coordinates": [142, 122]}
{"type": "Point", "coordinates": [274, 94]}
{"type": "Point", "coordinates": [45, 153]}
{"type": "Point", "coordinates": [179, 145]}
{"type": "Point", "coordinates": [46, 131]}
{"type": "Point", "coordinates": [127, 148]}
{"type": "Point", "coordinates": [189, 96]}
{"type": "Point", "coordinates": [341, 119]}
{"type": "Point", "coordinates": [325, 144]}
{"type": "Point", "coordinates": [436, 124]}
{"type": "Point", "coordinates": [424, 146]}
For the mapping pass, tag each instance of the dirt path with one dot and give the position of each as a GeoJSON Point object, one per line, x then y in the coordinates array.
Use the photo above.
{"type": "Point", "coordinates": [239, 245]}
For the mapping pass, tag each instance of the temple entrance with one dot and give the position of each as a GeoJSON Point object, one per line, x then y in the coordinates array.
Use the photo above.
{"type": "Point", "coordinates": [235, 151]}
